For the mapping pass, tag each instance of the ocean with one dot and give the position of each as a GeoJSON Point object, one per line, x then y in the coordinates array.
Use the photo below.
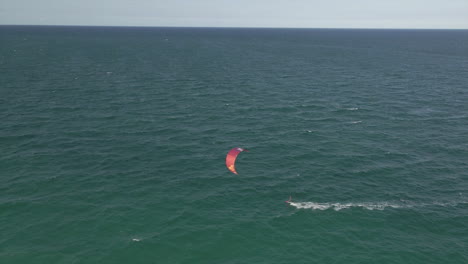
{"type": "Point", "coordinates": [113, 143]}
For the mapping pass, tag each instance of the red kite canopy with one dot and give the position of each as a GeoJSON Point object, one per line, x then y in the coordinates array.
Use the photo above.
{"type": "Point", "coordinates": [231, 159]}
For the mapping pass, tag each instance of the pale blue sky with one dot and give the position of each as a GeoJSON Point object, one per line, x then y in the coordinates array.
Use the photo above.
{"type": "Point", "coordinates": [240, 13]}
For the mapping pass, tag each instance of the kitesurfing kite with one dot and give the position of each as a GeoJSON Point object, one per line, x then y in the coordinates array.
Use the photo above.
{"type": "Point", "coordinates": [231, 159]}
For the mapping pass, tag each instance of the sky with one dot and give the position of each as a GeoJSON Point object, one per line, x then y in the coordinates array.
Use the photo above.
{"type": "Point", "coordinates": [430, 14]}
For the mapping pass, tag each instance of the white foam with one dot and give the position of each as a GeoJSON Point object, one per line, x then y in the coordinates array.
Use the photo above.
{"type": "Point", "coordinates": [352, 108]}
{"type": "Point", "coordinates": [375, 205]}
{"type": "Point", "coordinates": [340, 206]}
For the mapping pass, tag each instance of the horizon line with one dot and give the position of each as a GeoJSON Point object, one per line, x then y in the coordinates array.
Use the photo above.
{"type": "Point", "coordinates": [230, 27]}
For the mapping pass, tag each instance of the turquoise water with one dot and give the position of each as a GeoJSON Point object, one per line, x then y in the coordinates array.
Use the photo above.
{"type": "Point", "coordinates": [113, 144]}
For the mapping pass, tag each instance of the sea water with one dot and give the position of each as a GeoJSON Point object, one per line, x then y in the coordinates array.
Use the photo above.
{"type": "Point", "coordinates": [113, 143]}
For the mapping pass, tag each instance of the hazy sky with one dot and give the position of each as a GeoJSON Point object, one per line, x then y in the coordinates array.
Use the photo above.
{"type": "Point", "coordinates": [240, 13]}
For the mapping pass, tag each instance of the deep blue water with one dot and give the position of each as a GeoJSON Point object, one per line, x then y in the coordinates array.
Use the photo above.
{"type": "Point", "coordinates": [113, 144]}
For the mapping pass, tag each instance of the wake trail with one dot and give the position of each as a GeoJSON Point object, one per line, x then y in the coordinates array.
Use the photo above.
{"type": "Point", "coordinates": [370, 205]}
